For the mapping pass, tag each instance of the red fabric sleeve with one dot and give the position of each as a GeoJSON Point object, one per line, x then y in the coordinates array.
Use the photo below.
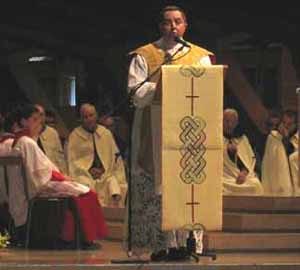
{"type": "Point", "coordinates": [57, 176]}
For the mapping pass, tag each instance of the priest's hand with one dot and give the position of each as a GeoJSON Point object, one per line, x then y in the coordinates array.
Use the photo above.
{"type": "Point", "coordinates": [96, 172]}
{"type": "Point", "coordinates": [241, 179]}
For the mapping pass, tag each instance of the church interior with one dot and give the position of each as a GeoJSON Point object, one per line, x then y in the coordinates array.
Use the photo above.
{"type": "Point", "coordinates": [64, 53]}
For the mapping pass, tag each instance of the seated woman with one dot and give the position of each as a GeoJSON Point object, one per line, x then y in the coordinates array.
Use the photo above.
{"type": "Point", "coordinates": [46, 180]}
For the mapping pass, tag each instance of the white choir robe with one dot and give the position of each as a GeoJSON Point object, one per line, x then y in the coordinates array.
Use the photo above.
{"type": "Point", "coordinates": [276, 176]}
{"type": "Point", "coordinates": [295, 141]}
{"type": "Point", "coordinates": [53, 148]}
{"type": "Point", "coordinates": [38, 170]}
{"type": "Point", "coordinates": [80, 153]}
{"type": "Point", "coordinates": [294, 165]}
{"type": "Point", "coordinates": [252, 186]}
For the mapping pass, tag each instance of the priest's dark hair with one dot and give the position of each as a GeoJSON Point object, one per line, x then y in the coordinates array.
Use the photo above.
{"type": "Point", "coordinates": [171, 8]}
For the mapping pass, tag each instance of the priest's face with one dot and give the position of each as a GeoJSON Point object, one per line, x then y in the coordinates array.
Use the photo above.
{"type": "Point", "coordinates": [89, 118]}
{"type": "Point", "coordinates": [173, 25]}
{"type": "Point", "coordinates": [230, 121]}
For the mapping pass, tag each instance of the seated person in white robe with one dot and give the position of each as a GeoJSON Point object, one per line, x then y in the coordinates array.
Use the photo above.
{"type": "Point", "coordinates": [95, 160]}
{"type": "Point", "coordinates": [6, 141]}
{"type": "Point", "coordinates": [44, 179]}
{"type": "Point", "coordinates": [294, 165]}
{"type": "Point", "coordinates": [239, 177]}
{"type": "Point", "coordinates": [50, 143]}
{"type": "Point", "coordinates": [276, 174]}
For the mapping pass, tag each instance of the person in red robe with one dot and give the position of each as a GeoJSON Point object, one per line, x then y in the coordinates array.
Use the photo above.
{"type": "Point", "coordinates": [46, 180]}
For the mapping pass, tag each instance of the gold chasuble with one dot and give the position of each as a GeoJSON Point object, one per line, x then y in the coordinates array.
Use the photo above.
{"type": "Point", "coordinates": [192, 147]}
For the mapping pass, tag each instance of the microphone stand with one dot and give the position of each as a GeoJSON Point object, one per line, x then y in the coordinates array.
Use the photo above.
{"type": "Point", "coordinates": [132, 92]}
{"type": "Point", "coordinates": [168, 59]}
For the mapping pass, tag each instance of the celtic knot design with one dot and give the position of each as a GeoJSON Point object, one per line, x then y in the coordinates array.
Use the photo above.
{"type": "Point", "coordinates": [193, 149]}
{"type": "Point", "coordinates": [192, 71]}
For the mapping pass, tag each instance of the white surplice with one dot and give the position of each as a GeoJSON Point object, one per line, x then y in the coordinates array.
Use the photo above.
{"type": "Point", "coordinates": [276, 175]}
{"type": "Point", "coordinates": [80, 152]}
{"type": "Point", "coordinates": [53, 148]}
{"type": "Point", "coordinates": [252, 185]}
{"type": "Point", "coordinates": [38, 170]}
{"type": "Point", "coordinates": [294, 165]}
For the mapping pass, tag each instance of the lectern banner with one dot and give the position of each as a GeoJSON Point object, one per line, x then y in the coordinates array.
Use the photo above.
{"type": "Point", "coordinates": [192, 147]}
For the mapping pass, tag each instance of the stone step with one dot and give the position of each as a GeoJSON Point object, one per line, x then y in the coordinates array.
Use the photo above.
{"type": "Point", "coordinates": [231, 204]}
{"type": "Point", "coordinates": [115, 231]}
{"type": "Point", "coordinates": [247, 222]}
{"type": "Point", "coordinates": [232, 241]}
{"type": "Point", "coordinates": [115, 217]}
{"type": "Point", "coordinates": [226, 241]}
{"type": "Point", "coordinates": [114, 213]}
{"type": "Point", "coordinates": [261, 204]}
{"type": "Point", "coordinates": [242, 231]}
{"type": "Point", "coordinates": [236, 221]}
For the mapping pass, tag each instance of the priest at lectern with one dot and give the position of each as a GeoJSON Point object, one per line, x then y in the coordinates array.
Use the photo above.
{"type": "Point", "coordinates": [145, 87]}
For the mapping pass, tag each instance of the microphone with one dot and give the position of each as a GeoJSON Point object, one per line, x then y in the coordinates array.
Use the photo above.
{"type": "Point", "coordinates": [181, 41]}
{"type": "Point", "coordinates": [168, 58]}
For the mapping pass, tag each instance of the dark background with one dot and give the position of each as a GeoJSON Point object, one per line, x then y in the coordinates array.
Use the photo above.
{"type": "Point", "coordinates": [95, 30]}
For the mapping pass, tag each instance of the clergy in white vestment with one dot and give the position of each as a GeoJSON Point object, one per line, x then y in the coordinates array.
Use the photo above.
{"type": "Point", "coordinates": [239, 177]}
{"type": "Point", "coordinates": [276, 169]}
{"type": "Point", "coordinates": [95, 160]}
{"type": "Point", "coordinates": [294, 165]}
{"type": "Point", "coordinates": [50, 143]}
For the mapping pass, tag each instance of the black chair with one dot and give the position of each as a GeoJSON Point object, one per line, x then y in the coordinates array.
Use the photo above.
{"type": "Point", "coordinates": [54, 204]}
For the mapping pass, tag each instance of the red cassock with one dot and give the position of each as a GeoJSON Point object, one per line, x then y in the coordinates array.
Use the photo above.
{"type": "Point", "coordinates": [93, 226]}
